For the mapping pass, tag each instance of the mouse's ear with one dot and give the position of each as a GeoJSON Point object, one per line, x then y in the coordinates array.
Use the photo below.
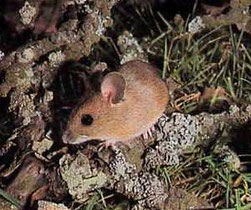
{"type": "Point", "coordinates": [113, 87]}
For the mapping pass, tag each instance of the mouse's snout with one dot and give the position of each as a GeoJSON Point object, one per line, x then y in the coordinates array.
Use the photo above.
{"type": "Point", "coordinates": [69, 138]}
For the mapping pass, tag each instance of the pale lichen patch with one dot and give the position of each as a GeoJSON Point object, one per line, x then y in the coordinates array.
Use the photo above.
{"type": "Point", "coordinates": [25, 105]}
{"type": "Point", "coordinates": [120, 167]}
{"type": "Point", "coordinates": [196, 25]}
{"type": "Point", "coordinates": [144, 187]}
{"type": "Point", "coordinates": [55, 58]}
{"type": "Point", "coordinates": [130, 48]}
{"type": "Point", "coordinates": [1, 55]}
{"type": "Point", "coordinates": [173, 136]}
{"type": "Point", "coordinates": [42, 146]}
{"type": "Point", "coordinates": [102, 22]}
{"type": "Point", "coordinates": [47, 205]}
{"type": "Point", "coordinates": [26, 56]}
{"type": "Point", "coordinates": [27, 13]}
{"type": "Point", "coordinates": [79, 176]}
{"type": "Point", "coordinates": [80, 1]}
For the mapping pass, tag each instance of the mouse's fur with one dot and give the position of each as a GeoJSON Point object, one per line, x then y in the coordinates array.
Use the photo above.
{"type": "Point", "coordinates": [129, 103]}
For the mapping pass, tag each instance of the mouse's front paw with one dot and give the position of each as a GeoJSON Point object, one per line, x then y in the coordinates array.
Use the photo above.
{"type": "Point", "coordinates": [107, 143]}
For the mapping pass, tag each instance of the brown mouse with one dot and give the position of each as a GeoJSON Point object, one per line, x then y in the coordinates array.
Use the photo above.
{"type": "Point", "coordinates": [129, 103]}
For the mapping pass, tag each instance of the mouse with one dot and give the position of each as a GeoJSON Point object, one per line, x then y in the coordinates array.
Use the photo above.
{"type": "Point", "coordinates": [128, 104]}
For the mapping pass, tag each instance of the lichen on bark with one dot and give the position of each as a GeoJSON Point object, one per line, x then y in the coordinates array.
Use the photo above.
{"type": "Point", "coordinates": [175, 134]}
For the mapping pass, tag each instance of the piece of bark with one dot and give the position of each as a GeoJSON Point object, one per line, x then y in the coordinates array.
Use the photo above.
{"type": "Point", "coordinates": [32, 68]}
{"type": "Point", "coordinates": [129, 172]}
{"type": "Point", "coordinates": [214, 10]}
{"type": "Point", "coordinates": [30, 178]}
{"type": "Point", "coordinates": [77, 41]}
{"type": "Point", "coordinates": [237, 14]}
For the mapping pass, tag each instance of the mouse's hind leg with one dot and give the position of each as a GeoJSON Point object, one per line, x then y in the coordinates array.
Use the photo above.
{"type": "Point", "coordinates": [149, 133]}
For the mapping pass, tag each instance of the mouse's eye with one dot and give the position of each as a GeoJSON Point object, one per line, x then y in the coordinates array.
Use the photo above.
{"type": "Point", "coordinates": [86, 119]}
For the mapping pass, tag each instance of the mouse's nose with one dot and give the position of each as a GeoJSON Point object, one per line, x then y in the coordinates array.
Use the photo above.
{"type": "Point", "coordinates": [67, 136]}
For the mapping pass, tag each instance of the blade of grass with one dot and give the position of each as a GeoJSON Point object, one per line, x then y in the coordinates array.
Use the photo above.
{"type": "Point", "coordinates": [228, 189]}
{"type": "Point", "coordinates": [93, 201]}
{"type": "Point", "coordinates": [230, 87]}
{"type": "Point", "coordinates": [165, 60]}
{"type": "Point", "coordinates": [165, 21]}
{"type": "Point", "coordinates": [9, 198]}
